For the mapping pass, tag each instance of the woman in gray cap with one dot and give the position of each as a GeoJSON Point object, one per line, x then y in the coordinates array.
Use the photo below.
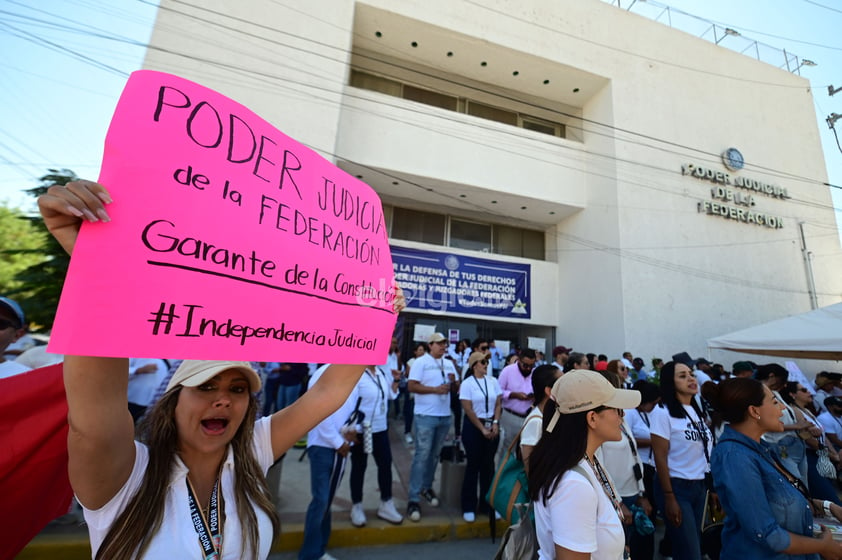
{"type": "Point", "coordinates": [194, 486]}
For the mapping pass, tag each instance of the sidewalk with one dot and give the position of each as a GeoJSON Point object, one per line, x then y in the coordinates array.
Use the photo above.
{"type": "Point", "coordinates": [437, 524]}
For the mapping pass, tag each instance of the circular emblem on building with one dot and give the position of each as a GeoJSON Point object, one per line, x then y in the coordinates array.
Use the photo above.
{"type": "Point", "coordinates": [451, 262]}
{"type": "Point", "coordinates": [733, 159]}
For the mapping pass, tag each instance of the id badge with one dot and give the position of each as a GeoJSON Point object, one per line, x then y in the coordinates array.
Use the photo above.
{"type": "Point", "coordinates": [382, 408]}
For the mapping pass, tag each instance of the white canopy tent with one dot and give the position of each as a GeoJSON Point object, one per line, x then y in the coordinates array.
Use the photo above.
{"type": "Point", "coordinates": [814, 335]}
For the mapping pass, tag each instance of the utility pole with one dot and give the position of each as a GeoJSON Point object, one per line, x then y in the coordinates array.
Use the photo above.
{"type": "Point", "coordinates": [811, 283]}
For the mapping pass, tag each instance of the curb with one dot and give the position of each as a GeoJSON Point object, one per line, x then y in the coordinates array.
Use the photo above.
{"type": "Point", "coordinates": [432, 528]}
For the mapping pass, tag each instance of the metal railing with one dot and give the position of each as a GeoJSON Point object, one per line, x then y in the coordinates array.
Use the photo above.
{"type": "Point", "coordinates": [714, 32]}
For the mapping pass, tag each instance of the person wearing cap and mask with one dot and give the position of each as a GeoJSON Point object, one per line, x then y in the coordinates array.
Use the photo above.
{"type": "Point", "coordinates": [194, 486]}
{"type": "Point", "coordinates": [577, 508]}
{"type": "Point", "coordinates": [12, 327]}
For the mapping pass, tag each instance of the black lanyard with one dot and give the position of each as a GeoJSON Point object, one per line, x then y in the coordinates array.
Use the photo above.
{"type": "Point", "coordinates": [631, 440]}
{"type": "Point", "coordinates": [485, 394]}
{"type": "Point", "coordinates": [210, 529]}
{"type": "Point", "coordinates": [375, 378]}
{"type": "Point", "coordinates": [702, 429]}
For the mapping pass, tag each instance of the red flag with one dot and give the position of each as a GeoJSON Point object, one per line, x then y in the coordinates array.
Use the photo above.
{"type": "Point", "coordinates": [33, 455]}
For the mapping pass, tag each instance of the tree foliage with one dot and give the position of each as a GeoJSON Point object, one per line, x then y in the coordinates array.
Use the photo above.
{"type": "Point", "coordinates": [41, 283]}
{"type": "Point", "coordinates": [22, 247]}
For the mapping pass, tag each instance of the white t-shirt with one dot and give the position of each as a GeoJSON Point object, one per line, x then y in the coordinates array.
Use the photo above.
{"type": "Point", "coordinates": [142, 385]}
{"type": "Point", "coordinates": [686, 437]}
{"type": "Point", "coordinates": [10, 368]}
{"type": "Point", "coordinates": [638, 423]}
{"type": "Point", "coordinates": [619, 461]}
{"type": "Point", "coordinates": [177, 537]}
{"type": "Point", "coordinates": [376, 391]}
{"type": "Point", "coordinates": [432, 372]}
{"type": "Point", "coordinates": [533, 427]}
{"type": "Point", "coordinates": [830, 423]}
{"type": "Point", "coordinates": [580, 517]}
{"type": "Point", "coordinates": [482, 393]}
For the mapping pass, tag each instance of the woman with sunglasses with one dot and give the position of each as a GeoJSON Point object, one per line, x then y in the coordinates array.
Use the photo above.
{"type": "Point", "coordinates": [619, 368]}
{"type": "Point", "coordinates": [799, 399]}
{"type": "Point", "coordinates": [682, 444]}
{"type": "Point", "coordinates": [577, 508]}
{"type": "Point", "coordinates": [769, 510]}
{"type": "Point", "coordinates": [481, 400]}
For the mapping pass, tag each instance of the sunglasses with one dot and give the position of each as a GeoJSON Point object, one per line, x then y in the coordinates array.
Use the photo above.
{"type": "Point", "coordinates": [803, 390]}
{"type": "Point", "coordinates": [4, 324]}
{"type": "Point", "coordinates": [620, 411]}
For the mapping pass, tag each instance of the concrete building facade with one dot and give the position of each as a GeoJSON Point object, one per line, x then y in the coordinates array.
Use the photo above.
{"type": "Point", "coordinates": [655, 185]}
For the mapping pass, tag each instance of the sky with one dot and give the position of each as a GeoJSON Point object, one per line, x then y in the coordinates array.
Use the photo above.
{"type": "Point", "coordinates": [66, 61]}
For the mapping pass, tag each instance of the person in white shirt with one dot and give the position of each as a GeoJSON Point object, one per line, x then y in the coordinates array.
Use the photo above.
{"type": "Point", "coordinates": [682, 444]}
{"type": "Point", "coordinates": [481, 400]}
{"type": "Point", "coordinates": [12, 327]}
{"type": "Point", "coordinates": [623, 463]}
{"type": "Point", "coordinates": [202, 447]}
{"type": "Point", "coordinates": [431, 378]}
{"type": "Point", "coordinates": [376, 388]}
{"type": "Point", "coordinates": [577, 507]}
{"type": "Point", "coordinates": [328, 445]}
{"type": "Point", "coordinates": [543, 379]}
{"type": "Point", "coordinates": [145, 374]}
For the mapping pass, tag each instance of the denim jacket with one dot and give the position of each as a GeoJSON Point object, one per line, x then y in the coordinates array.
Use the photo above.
{"type": "Point", "coordinates": [761, 505]}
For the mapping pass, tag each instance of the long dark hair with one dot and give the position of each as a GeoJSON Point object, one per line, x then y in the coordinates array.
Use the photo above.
{"type": "Point", "coordinates": [668, 397]}
{"type": "Point", "coordinates": [131, 533]}
{"type": "Point", "coordinates": [556, 452]}
{"type": "Point", "coordinates": [542, 377]}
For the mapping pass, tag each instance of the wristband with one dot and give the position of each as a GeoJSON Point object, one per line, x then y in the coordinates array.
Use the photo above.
{"type": "Point", "coordinates": [826, 507]}
{"type": "Point", "coordinates": [495, 421]}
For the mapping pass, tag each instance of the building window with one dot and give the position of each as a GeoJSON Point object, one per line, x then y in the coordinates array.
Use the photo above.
{"type": "Point", "coordinates": [415, 225]}
{"type": "Point", "coordinates": [428, 97]}
{"type": "Point", "coordinates": [490, 113]}
{"type": "Point", "coordinates": [542, 126]}
{"type": "Point", "coordinates": [470, 235]}
{"type": "Point", "coordinates": [364, 80]}
{"type": "Point", "coordinates": [388, 86]}
{"type": "Point", "coordinates": [439, 229]}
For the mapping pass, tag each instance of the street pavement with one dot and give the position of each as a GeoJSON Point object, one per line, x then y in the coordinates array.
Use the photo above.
{"type": "Point", "coordinates": [471, 549]}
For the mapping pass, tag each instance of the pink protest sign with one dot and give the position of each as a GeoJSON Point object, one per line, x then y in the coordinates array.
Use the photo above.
{"type": "Point", "coordinates": [228, 240]}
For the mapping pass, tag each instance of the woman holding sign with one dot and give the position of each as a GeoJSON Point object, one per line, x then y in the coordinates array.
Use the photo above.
{"type": "Point", "coordinates": [196, 486]}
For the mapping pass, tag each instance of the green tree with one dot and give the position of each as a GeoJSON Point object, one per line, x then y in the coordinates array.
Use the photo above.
{"type": "Point", "coordinates": [41, 283]}
{"type": "Point", "coordinates": [22, 247]}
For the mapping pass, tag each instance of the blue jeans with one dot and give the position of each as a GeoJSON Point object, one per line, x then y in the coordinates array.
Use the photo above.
{"type": "Point", "coordinates": [287, 394]}
{"type": "Point", "coordinates": [686, 538]}
{"type": "Point", "coordinates": [430, 432]}
{"type": "Point", "coordinates": [326, 468]}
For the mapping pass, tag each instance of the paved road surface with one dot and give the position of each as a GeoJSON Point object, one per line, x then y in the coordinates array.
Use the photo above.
{"type": "Point", "coordinates": [477, 549]}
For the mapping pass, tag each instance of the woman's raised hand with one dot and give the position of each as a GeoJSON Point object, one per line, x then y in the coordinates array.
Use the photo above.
{"type": "Point", "coordinates": [64, 207]}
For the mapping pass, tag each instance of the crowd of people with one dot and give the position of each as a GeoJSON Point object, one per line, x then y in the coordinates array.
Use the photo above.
{"type": "Point", "coordinates": [162, 450]}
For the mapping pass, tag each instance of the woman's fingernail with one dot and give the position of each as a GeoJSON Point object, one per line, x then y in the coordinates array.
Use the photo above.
{"type": "Point", "coordinates": [103, 215]}
{"type": "Point", "coordinates": [103, 196]}
{"type": "Point", "coordinates": [90, 216]}
{"type": "Point", "coordinates": [75, 211]}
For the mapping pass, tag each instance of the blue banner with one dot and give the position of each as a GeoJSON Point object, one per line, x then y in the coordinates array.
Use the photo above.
{"type": "Point", "coordinates": [445, 282]}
